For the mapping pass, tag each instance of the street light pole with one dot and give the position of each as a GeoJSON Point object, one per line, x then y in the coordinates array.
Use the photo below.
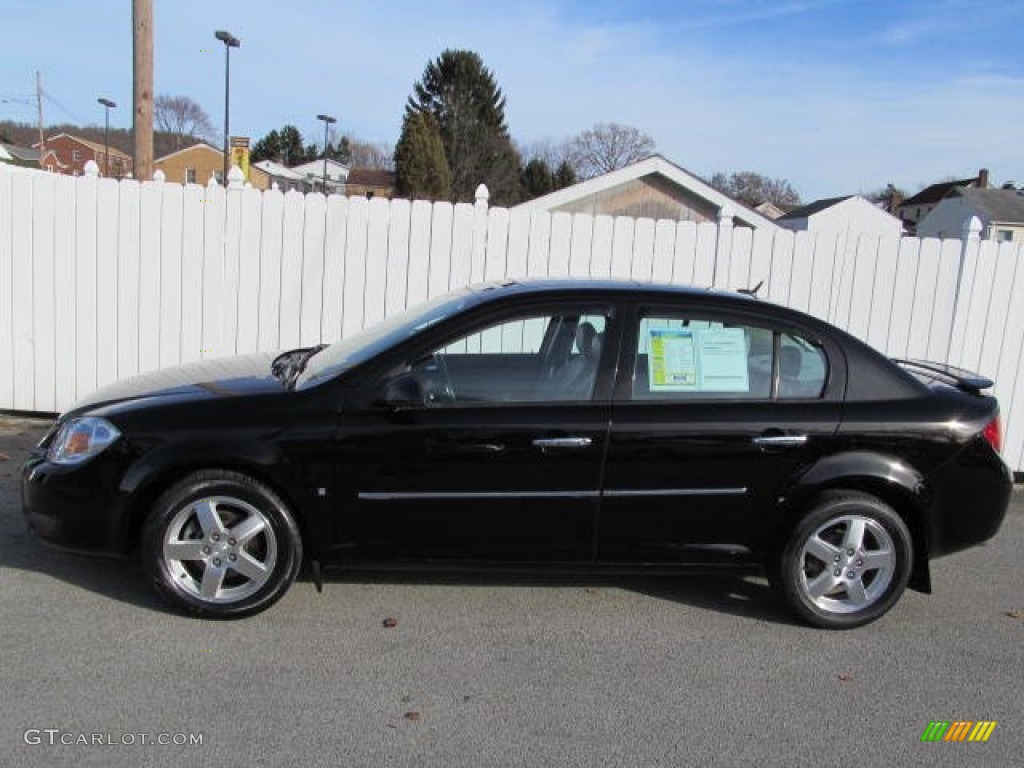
{"type": "Point", "coordinates": [107, 106]}
{"type": "Point", "coordinates": [230, 41]}
{"type": "Point", "coordinates": [328, 120]}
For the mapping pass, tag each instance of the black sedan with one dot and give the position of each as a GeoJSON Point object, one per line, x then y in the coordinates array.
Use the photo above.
{"type": "Point", "coordinates": [578, 425]}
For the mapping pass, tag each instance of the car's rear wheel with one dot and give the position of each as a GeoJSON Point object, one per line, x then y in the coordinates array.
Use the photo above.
{"type": "Point", "coordinates": [221, 544]}
{"type": "Point", "coordinates": [846, 562]}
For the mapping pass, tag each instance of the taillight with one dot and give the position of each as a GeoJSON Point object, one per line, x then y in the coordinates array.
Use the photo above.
{"type": "Point", "coordinates": [993, 432]}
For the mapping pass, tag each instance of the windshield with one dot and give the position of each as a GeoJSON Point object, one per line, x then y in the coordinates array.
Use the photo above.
{"type": "Point", "coordinates": [360, 347]}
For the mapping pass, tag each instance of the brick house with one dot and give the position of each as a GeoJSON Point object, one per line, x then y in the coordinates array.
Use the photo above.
{"type": "Point", "coordinates": [73, 152]}
{"type": "Point", "coordinates": [370, 182]}
{"type": "Point", "coordinates": [197, 163]}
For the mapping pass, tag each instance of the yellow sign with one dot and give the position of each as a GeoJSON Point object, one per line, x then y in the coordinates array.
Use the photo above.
{"type": "Point", "coordinates": [240, 154]}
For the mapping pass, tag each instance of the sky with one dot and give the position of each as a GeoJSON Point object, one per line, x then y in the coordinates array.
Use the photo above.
{"type": "Point", "coordinates": [835, 96]}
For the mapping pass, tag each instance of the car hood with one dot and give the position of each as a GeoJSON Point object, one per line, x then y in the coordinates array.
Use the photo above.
{"type": "Point", "coordinates": [224, 377]}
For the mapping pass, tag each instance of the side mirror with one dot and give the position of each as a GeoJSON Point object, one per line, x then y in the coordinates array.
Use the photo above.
{"type": "Point", "coordinates": [402, 391]}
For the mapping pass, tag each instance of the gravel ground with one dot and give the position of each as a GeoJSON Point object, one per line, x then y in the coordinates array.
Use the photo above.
{"type": "Point", "coordinates": [496, 671]}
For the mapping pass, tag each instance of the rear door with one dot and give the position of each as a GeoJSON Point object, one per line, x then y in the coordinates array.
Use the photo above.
{"type": "Point", "coordinates": [712, 413]}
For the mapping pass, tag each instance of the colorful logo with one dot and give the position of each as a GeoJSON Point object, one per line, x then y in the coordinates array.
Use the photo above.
{"type": "Point", "coordinates": [958, 730]}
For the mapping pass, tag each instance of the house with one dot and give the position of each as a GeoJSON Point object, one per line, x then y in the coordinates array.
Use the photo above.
{"type": "Point", "coordinates": [770, 210]}
{"type": "Point", "coordinates": [15, 155]}
{"type": "Point", "coordinates": [197, 163]}
{"type": "Point", "coordinates": [370, 182]}
{"type": "Point", "coordinates": [653, 188]}
{"type": "Point", "coordinates": [337, 175]}
{"type": "Point", "coordinates": [916, 207]}
{"type": "Point", "coordinates": [1001, 212]}
{"type": "Point", "coordinates": [853, 215]}
{"type": "Point", "coordinates": [70, 154]}
{"type": "Point", "coordinates": [284, 178]}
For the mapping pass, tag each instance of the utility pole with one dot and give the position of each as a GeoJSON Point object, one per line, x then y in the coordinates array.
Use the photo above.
{"type": "Point", "coordinates": [142, 118]}
{"type": "Point", "coordinates": [39, 106]}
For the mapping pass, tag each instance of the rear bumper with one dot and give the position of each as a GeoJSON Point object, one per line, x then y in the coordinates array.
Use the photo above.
{"type": "Point", "coordinates": [970, 498]}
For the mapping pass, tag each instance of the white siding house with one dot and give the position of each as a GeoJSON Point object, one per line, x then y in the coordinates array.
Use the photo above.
{"type": "Point", "coordinates": [1001, 212]}
{"type": "Point", "coordinates": [313, 171]}
{"type": "Point", "coordinates": [653, 188]}
{"type": "Point", "coordinates": [853, 215]}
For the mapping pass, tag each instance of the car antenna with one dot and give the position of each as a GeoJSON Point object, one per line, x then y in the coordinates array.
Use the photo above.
{"type": "Point", "coordinates": [751, 291]}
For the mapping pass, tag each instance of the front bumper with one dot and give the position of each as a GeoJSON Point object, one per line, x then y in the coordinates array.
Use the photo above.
{"type": "Point", "coordinates": [75, 507]}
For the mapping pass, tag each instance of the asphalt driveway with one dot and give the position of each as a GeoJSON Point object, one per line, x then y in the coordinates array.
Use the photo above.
{"type": "Point", "coordinates": [495, 671]}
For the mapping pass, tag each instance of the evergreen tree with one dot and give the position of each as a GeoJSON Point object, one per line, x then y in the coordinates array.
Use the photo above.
{"type": "Point", "coordinates": [536, 179]}
{"type": "Point", "coordinates": [469, 109]}
{"type": "Point", "coordinates": [267, 148]}
{"type": "Point", "coordinates": [285, 147]}
{"type": "Point", "coordinates": [421, 170]}
{"type": "Point", "coordinates": [565, 175]}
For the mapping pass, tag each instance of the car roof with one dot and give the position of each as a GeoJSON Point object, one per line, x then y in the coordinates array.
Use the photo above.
{"type": "Point", "coordinates": [540, 285]}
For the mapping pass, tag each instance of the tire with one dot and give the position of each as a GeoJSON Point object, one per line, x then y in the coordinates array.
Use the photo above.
{"type": "Point", "coordinates": [220, 544]}
{"type": "Point", "coordinates": [845, 563]}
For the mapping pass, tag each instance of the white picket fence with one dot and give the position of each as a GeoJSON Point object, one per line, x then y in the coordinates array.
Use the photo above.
{"type": "Point", "coordinates": [101, 279]}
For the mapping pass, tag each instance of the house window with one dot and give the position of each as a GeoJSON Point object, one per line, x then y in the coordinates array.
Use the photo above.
{"type": "Point", "coordinates": [219, 176]}
{"type": "Point", "coordinates": [190, 175]}
{"type": "Point", "coordinates": [75, 155]}
{"type": "Point", "coordinates": [1004, 235]}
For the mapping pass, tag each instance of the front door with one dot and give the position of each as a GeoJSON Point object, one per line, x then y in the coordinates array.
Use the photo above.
{"type": "Point", "coordinates": [499, 458]}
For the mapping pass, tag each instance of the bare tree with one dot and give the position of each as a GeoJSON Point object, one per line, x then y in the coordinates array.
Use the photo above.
{"type": "Point", "coordinates": [552, 153]}
{"type": "Point", "coordinates": [365, 154]}
{"type": "Point", "coordinates": [608, 147]}
{"type": "Point", "coordinates": [182, 117]}
{"type": "Point", "coordinates": [753, 189]}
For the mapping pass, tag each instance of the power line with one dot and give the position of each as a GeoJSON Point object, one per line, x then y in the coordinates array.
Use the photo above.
{"type": "Point", "coordinates": [63, 109]}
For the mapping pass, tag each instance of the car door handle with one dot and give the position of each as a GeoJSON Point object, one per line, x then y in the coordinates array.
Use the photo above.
{"type": "Point", "coordinates": [562, 442]}
{"type": "Point", "coordinates": [780, 441]}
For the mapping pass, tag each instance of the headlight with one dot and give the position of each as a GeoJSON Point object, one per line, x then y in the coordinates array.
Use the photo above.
{"type": "Point", "coordinates": [81, 439]}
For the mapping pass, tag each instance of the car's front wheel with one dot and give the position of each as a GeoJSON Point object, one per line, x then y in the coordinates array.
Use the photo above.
{"type": "Point", "coordinates": [845, 563]}
{"type": "Point", "coordinates": [221, 544]}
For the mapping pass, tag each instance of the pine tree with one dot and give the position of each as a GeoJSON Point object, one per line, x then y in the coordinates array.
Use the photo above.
{"type": "Point", "coordinates": [536, 179]}
{"type": "Point", "coordinates": [285, 147]}
{"type": "Point", "coordinates": [565, 175]}
{"type": "Point", "coordinates": [421, 170]}
{"type": "Point", "coordinates": [469, 109]}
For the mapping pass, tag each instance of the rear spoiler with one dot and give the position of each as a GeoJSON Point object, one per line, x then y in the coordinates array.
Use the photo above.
{"type": "Point", "coordinates": [958, 377]}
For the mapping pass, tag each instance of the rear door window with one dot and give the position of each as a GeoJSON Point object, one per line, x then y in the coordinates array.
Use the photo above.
{"type": "Point", "coordinates": [685, 358]}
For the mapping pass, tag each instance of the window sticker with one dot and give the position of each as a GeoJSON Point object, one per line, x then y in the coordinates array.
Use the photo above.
{"type": "Point", "coordinates": [697, 360]}
{"type": "Point", "coordinates": [723, 360]}
{"type": "Point", "coordinates": [673, 366]}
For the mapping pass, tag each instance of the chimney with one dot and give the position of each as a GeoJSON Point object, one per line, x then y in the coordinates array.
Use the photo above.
{"type": "Point", "coordinates": [894, 198]}
{"type": "Point", "coordinates": [983, 178]}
